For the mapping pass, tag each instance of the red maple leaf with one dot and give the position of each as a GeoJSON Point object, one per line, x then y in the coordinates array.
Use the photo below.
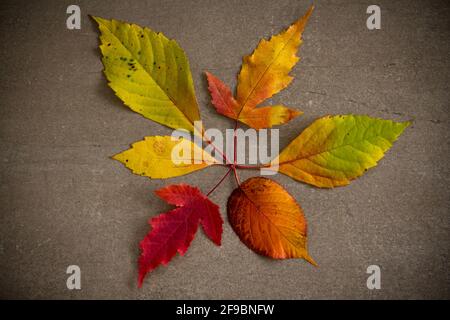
{"type": "Point", "coordinates": [174, 230]}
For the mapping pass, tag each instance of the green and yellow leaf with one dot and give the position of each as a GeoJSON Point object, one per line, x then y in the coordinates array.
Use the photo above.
{"type": "Point", "coordinates": [155, 157]}
{"type": "Point", "coordinates": [334, 150]}
{"type": "Point", "coordinates": [149, 73]}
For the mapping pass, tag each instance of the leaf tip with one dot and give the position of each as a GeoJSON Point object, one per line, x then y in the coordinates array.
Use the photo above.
{"type": "Point", "coordinates": [403, 125]}
{"type": "Point", "coordinates": [217, 240]}
{"type": "Point", "coordinates": [141, 278]}
{"type": "Point", "coordinates": [308, 258]}
{"type": "Point", "coordinates": [408, 123]}
{"type": "Point", "coordinates": [96, 19]}
{"type": "Point", "coordinates": [294, 113]}
{"type": "Point", "coordinates": [310, 10]}
{"type": "Point", "coordinates": [211, 79]}
{"type": "Point", "coordinates": [304, 19]}
{"type": "Point", "coordinates": [118, 157]}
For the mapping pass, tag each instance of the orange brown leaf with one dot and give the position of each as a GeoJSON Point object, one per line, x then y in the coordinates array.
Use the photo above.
{"type": "Point", "coordinates": [268, 219]}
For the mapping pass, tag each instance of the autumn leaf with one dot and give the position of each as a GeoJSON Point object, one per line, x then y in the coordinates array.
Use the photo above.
{"type": "Point", "coordinates": [153, 157]}
{"type": "Point", "coordinates": [173, 231]}
{"type": "Point", "coordinates": [149, 73]}
{"type": "Point", "coordinates": [264, 73]}
{"type": "Point", "coordinates": [222, 98]}
{"type": "Point", "coordinates": [334, 150]}
{"type": "Point", "coordinates": [268, 219]}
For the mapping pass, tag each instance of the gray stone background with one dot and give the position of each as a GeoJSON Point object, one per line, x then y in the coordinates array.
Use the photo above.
{"type": "Point", "coordinates": [63, 201]}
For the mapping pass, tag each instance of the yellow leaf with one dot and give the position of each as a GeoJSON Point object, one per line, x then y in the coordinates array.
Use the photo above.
{"type": "Point", "coordinates": [149, 73]}
{"type": "Point", "coordinates": [264, 73]}
{"type": "Point", "coordinates": [156, 158]}
{"type": "Point", "coordinates": [337, 149]}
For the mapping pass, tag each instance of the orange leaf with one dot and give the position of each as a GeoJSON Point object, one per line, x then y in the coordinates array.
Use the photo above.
{"type": "Point", "coordinates": [268, 219]}
{"type": "Point", "coordinates": [264, 73]}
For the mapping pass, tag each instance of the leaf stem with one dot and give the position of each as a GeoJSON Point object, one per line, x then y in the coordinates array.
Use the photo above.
{"type": "Point", "coordinates": [220, 152]}
{"type": "Point", "coordinates": [254, 167]}
{"type": "Point", "coordinates": [220, 181]}
{"type": "Point", "coordinates": [236, 176]}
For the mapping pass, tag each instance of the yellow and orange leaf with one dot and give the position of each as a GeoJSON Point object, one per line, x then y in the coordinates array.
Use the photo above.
{"type": "Point", "coordinates": [334, 150]}
{"type": "Point", "coordinates": [264, 73]}
{"type": "Point", "coordinates": [153, 157]}
{"type": "Point", "coordinates": [268, 219]}
{"type": "Point", "coordinates": [149, 73]}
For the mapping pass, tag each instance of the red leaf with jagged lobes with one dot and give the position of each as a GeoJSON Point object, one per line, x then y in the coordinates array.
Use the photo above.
{"type": "Point", "coordinates": [173, 231]}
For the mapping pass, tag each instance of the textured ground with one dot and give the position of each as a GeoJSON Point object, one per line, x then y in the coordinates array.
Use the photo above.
{"type": "Point", "coordinates": [63, 201]}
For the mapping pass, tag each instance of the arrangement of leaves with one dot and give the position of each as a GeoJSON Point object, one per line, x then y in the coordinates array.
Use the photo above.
{"type": "Point", "coordinates": [151, 75]}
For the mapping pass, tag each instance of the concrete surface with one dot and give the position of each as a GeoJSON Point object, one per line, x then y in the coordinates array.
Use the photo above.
{"type": "Point", "coordinates": [63, 201]}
